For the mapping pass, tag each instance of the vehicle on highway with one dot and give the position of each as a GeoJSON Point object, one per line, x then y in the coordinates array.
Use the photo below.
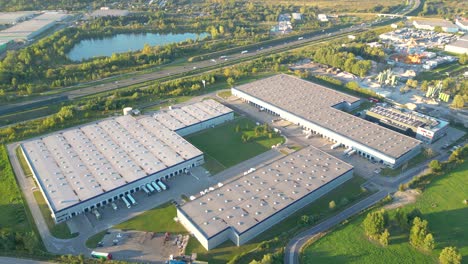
{"type": "Point", "coordinates": [244, 51]}
{"type": "Point", "coordinates": [300, 38]}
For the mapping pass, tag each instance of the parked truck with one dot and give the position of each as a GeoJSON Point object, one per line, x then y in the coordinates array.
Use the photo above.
{"type": "Point", "coordinates": [336, 145]}
{"type": "Point", "coordinates": [150, 188]}
{"type": "Point", "coordinates": [162, 185]}
{"type": "Point", "coordinates": [146, 190]}
{"type": "Point", "coordinates": [155, 186]}
{"type": "Point", "coordinates": [131, 199]}
{"type": "Point", "coordinates": [127, 203]}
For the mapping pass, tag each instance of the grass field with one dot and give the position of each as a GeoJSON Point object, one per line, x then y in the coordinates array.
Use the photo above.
{"type": "Point", "coordinates": [24, 165]}
{"type": "Point", "coordinates": [159, 220]}
{"type": "Point", "coordinates": [13, 214]}
{"type": "Point", "coordinates": [441, 205]}
{"type": "Point", "coordinates": [94, 240]}
{"type": "Point", "coordinates": [225, 145]}
{"type": "Point", "coordinates": [285, 229]}
{"type": "Point", "coordinates": [57, 230]}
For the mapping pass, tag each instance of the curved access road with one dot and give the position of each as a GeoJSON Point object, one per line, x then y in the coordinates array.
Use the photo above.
{"type": "Point", "coordinates": [293, 249]}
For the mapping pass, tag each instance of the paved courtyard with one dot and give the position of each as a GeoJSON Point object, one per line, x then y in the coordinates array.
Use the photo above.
{"type": "Point", "coordinates": [145, 247]}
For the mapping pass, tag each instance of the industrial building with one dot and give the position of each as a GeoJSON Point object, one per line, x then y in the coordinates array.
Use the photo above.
{"type": "Point", "coordinates": [83, 168]}
{"type": "Point", "coordinates": [29, 29]}
{"type": "Point", "coordinates": [424, 128]}
{"type": "Point", "coordinates": [320, 110]}
{"type": "Point", "coordinates": [431, 24]}
{"type": "Point", "coordinates": [107, 12]}
{"type": "Point", "coordinates": [243, 208]}
{"type": "Point", "coordinates": [15, 17]}
{"type": "Point", "coordinates": [460, 46]}
{"type": "Point", "coordinates": [462, 23]}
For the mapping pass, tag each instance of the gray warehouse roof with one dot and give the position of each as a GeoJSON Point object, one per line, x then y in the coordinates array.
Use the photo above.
{"type": "Point", "coordinates": [176, 118]}
{"type": "Point", "coordinates": [80, 163]}
{"type": "Point", "coordinates": [25, 29]}
{"type": "Point", "coordinates": [315, 103]}
{"type": "Point", "coordinates": [13, 17]}
{"type": "Point", "coordinates": [250, 199]}
{"type": "Point", "coordinates": [460, 43]}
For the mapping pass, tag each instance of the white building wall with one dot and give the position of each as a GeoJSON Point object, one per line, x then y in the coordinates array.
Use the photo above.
{"type": "Point", "coordinates": [456, 49]}
{"type": "Point", "coordinates": [192, 229]}
{"type": "Point", "coordinates": [317, 129]}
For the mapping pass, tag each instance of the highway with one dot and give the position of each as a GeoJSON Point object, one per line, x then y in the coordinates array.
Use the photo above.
{"type": "Point", "coordinates": [190, 68]}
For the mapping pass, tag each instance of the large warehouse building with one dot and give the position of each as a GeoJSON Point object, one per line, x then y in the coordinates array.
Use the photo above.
{"type": "Point", "coordinates": [30, 29]}
{"type": "Point", "coordinates": [319, 109]}
{"type": "Point", "coordinates": [250, 204]}
{"type": "Point", "coordinates": [87, 167]}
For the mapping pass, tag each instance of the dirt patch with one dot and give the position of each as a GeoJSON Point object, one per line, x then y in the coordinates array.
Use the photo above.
{"type": "Point", "coordinates": [145, 247]}
{"type": "Point", "coordinates": [403, 198]}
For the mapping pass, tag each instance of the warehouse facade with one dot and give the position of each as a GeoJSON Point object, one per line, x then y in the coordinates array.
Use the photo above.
{"type": "Point", "coordinates": [319, 110]}
{"type": "Point", "coordinates": [84, 168]}
{"type": "Point", "coordinates": [245, 207]}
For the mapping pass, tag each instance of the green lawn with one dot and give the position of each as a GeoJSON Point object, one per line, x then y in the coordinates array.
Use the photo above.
{"type": "Point", "coordinates": [24, 165]}
{"type": "Point", "coordinates": [158, 220]}
{"type": "Point", "coordinates": [13, 214]}
{"type": "Point", "coordinates": [421, 157]}
{"type": "Point", "coordinates": [225, 145]}
{"type": "Point", "coordinates": [94, 240]}
{"type": "Point", "coordinates": [441, 205]}
{"type": "Point", "coordinates": [225, 94]}
{"type": "Point", "coordinates": [57, 230]}
{"type": "Point", "coordinates": [283, 230]}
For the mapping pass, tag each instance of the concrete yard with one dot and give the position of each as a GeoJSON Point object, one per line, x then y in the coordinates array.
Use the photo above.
{"type": "Point", "coordinates": [145, 247]}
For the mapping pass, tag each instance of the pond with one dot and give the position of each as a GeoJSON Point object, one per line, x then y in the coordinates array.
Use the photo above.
{"type": "Point", "coordinates": [97, 47]}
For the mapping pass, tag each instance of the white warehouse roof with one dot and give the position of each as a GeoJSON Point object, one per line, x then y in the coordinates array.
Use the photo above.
{"type": "Point", "coordinates": [250, 199]}
{"type": "Point", "coordinates": [314, 103]}
{"type": "Point", "coordinates": [77, 164]}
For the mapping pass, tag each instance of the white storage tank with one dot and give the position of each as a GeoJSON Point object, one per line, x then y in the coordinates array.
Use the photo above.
{"type": "Point", "coordinates": [127, 111]}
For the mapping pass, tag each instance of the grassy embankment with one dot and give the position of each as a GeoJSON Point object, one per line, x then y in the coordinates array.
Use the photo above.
{"type": "Point", "coordinates": [441, 204]}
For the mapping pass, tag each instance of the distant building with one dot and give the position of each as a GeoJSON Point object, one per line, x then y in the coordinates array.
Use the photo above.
{"type": "Point", "coordinates": [425, 128]}
{"type": "Point", "coordinates": [297, 16]}
{"type": "Point", "coordinates": [107, 12]}
{"type": "Point", "coordinates": [29, 29]}
{"type": "Point", "coordinates": [15, 17]}
{"type": "Point", "coordinates": [462, 23]}
{"type": "Point", "coordinates": [395, 26]}
{"type": "Point", "coordinates": [322, 17]}
{"type": "Point", "coordinates": [352, 37]}
{"type": "Point", "coordinates": [460, 46]}
{"type": "Point", "coordinates": [431, 24]}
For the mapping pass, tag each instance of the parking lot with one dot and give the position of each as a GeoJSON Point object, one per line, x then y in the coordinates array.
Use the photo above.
{"type": "Point", "coordinates": [182, 184]}
{"type": "Point", "coordinates": [145, 247]}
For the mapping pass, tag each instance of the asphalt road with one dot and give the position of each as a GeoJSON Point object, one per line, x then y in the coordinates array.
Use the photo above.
{"type": "Point", "coordinates": [292, 251]}
{"type": "Point", "coordinates": [6, 260]}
